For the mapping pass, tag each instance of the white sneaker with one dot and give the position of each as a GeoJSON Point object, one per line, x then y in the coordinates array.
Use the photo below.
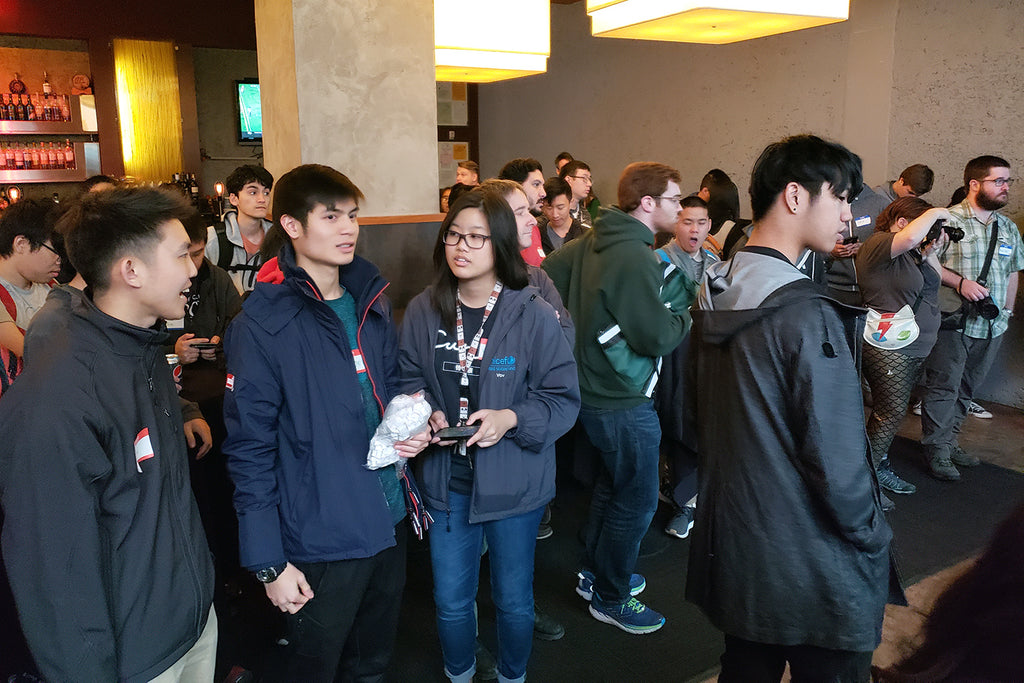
{"type": "Point", "coordinates": [978, 411]}
{"type": "Point", "coordinates": [916, 410]}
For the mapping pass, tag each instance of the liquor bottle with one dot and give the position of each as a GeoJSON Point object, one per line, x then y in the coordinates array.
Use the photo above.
{"type": "Point", "coordinates": [47, 89]}
{"type": "Point", "coordinates": [5, 112]}
{"type": "Point", "coordinates": [69, 155]}
{"type": "Point", "coordinates": [60, 157]}
{"type": "Point", "coordinates": [65, 108]}
{"type": "Point", "coordinates": [51, 155]}
{"type": "Point", "coordinates": [37, 102]}
{"type": "Point", "coordinates": [19, 108]}
{"type": "Point", "coordinates": [19, 157]}
{"type": "Point", "coordinates": [9, 157]}
{"type": "Point", "coordinates": [30, 108]}
{"type": "Point", "coordinates": [36, 160]}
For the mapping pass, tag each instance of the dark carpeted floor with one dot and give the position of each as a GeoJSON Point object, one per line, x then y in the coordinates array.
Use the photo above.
{"type": "Point", "coordinates": [936, 527]}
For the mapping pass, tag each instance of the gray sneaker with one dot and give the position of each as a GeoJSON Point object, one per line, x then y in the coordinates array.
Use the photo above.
{"type": "Point", "coordinates": [892, 482]}
{"type": "Point", "coordinates": [961, 457]}
{"type": "Point", "coordinates": [943, 468]}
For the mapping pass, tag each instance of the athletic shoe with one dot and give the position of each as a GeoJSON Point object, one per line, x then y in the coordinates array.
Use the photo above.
{"type": "Point", "coordinates": [681, 523]}
{"type": "Point", "coordinates": [978, 411]}
{"type": "Point", "coordinates": [585, 586]}
{"type": "Point", "coordinates": [916, 410]}
{"type": "Point", "coordinates": [943, 468]}
{"type": "Point", "coordinates": [631, 616]}
{"type": "Point", "coordinates": [545, 530]}
{"type": "Point", "coordinates": [545, 627]}
{"type": "Point", "coordinates": [887, 504]}
{"type": "Point", "coordinates": [890, 481]}
{"type": "Point", "coordinates": [961, 457]}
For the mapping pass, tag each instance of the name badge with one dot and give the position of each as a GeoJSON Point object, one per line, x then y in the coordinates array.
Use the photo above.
{"type": "Point", "coordinates": [1005, 249]}
{"type": "Point", "coordinates": [358, 358]}
{"type": "Point", "coordinates": [862, 221]}
{"type": "Point", "coordinates": [178, 324]}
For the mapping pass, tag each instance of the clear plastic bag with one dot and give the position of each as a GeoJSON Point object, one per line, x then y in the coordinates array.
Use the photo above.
{"type": "Point", "coordinates": [404, 417]}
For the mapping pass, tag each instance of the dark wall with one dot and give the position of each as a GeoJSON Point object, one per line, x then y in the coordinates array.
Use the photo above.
{"type": "Point", "coordinates": [404, 254]}
{"type": "Point", "coordinates": [225, 23]}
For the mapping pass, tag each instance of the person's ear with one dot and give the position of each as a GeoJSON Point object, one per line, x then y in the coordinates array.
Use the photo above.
{"type": "Point", "coordinates": [130, 270]}
{"type": "Point", "coordinates": [233, 199]}
{"type": "Point", "coordinates": [21, 245]}
{"type": "Point", "coordinates": [292, 226]}
{"type": "Point", "coordinates": [791, 197]}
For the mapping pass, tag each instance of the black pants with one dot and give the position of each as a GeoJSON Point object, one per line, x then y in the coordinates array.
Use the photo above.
{"type": "Point", "coordinates": [745, 661]}
{"type": "Point", "coordinates": [347, 631]}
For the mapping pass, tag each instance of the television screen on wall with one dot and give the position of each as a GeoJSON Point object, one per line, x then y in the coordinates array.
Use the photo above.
{"type": "Point", "coordinates": [250, 116]}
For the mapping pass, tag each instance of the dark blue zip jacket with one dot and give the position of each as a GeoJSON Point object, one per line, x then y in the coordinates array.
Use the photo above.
{"type": "Point", "coordinates": [528, 367]}
{"type": "Point", "coordinates": [297, 438]}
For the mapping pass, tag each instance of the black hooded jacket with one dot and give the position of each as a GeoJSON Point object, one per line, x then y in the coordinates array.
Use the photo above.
{"type": "Point", "coordinates": [790, 546]}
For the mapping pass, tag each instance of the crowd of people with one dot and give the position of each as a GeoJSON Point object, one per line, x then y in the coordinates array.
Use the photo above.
{"type": "Point", "coordinates": [663, 327]}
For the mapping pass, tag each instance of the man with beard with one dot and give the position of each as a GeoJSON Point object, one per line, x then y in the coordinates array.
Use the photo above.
{"type": "Point", "coordinates": [528, 173]}
{"type": "Point", "coordinates": [961, 358]}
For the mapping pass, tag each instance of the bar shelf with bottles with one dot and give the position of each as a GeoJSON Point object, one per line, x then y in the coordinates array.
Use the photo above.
{"type": "Point", "coordinates": [71, 161]}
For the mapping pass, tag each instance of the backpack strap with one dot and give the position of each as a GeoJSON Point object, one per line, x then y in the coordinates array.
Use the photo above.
{"type": "Point", "coordinates": [225, 249]}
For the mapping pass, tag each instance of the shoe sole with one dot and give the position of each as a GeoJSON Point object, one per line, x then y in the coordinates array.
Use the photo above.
{"type": "Point", "coordinates": [901, 492]}
{"type": "Point", "coordinates": [636, 631]}
{"type": "Point", "coordinates": [548, 636]}
{"type": "Point", "coordinates": [944, 477]}
{"type": "Point", "coordinates": [548, 533]}
{"type": "Point", "coordinates": [679, 534]}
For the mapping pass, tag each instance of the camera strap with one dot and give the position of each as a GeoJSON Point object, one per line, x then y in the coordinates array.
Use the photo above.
{"type": "Point", "coordinates": [983, 275]}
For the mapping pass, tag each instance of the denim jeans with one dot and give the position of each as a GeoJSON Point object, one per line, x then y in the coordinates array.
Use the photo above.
{"type": "Point", "coordinates": [455, 547]}
{"type": "Point", "coordinates": [625, 494]}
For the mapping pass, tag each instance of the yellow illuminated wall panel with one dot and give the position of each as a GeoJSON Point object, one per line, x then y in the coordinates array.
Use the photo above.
{"type": "Point", "coordinates": [149, 108]}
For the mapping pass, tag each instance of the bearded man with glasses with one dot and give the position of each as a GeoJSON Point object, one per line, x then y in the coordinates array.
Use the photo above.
{"type": "Point", "coordinates": [962, 357]}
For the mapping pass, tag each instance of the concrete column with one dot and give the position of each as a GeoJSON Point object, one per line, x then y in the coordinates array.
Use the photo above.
{"type": "Point", "coordinates": [869, 78]}
{"type": "Point", "coordinates": [351, 85]}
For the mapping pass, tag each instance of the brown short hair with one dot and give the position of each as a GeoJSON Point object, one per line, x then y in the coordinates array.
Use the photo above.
{"type": "Point", "coordinates": [919, 178]}
{"type": "Point", "coordinates": [644, 179]}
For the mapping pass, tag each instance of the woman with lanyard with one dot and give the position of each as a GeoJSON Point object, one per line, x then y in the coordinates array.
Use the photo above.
{"type": "Point", "coordinates": [490, 356]}
{"type": "Point", "coordinates": [896, 267]}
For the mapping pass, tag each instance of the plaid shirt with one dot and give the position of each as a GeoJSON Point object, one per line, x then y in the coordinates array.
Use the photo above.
{"type": "Point", "coordinates": [968, 256]}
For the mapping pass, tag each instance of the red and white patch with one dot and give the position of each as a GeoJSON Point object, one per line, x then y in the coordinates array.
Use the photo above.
{"type": "Point", "coordinates": [143, 448]}
{"type": "Point", "coordinates": [229, 384]}
{"type": "Point", "coordinates": [357, 356]}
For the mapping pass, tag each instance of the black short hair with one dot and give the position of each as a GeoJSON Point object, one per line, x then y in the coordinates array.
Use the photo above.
{"type": "Point", "coordinates": [563, 155]}
{"type": "Point", "coordinates": [302, 188]}
{"type": "Point", "coordinates": [808, 161]}
{"type": "Point", "coordinates": [31, 218]}
{"type": "Point", "coordinates": [101, 227]}
{"type": "Point", "coordinates": [508, 262]}
{"type": "Point", "coordinates": [458, 189]}
{"type": "Point", "coordinates": [518, 169]}
{"type": "Point", "coordinates": [919, 178]}
{"type": "Point", "coordinates": [978, 167]}
{"type": "Point", "coordinates": [715, 176]}
{"type": "Point", "coordinates": [94, 180]}
{"type": "Point", "coordinates": [555, 186]}
{"type": "Point", "coordinates": [196, 227]}
{"type": "Point", "coordinates": [571, 168]}
{"type": "Point", "coordinates": [693, 202]}
{"type": "Point", "coordinates": [243, 175]}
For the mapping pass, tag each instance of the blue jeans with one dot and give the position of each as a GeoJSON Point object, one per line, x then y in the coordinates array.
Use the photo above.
{"type": "Point", "coordinates": [455, 547]}
{"type": "Point", "coordinates": [625, 494]}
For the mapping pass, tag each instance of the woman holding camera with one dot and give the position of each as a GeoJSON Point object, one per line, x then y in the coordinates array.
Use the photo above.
{"type": "Point", "coordinates": [896, 267]}
{"type": "Point", "coordinates": [489, 354]}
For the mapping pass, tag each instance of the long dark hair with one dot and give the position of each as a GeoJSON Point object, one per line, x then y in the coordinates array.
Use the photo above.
{"type": "Point", "coordinates": [904, 207]}
{"type": "Point", "coordinates": [508, 263]}
{"type": "Point", "coordinates": [975, 631]}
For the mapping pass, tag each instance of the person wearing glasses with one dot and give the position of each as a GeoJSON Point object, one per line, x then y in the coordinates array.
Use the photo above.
{"type": "Point", "coordinates": [28, 265]}
{"type": "Point", "coordinates": [492, 360]}
{"type": "Point", "coordinates": [577, 174]}
{"type": "Point", "coordinates": [961, 358]}
{"type": "Point", "coordinates": [611, 283]}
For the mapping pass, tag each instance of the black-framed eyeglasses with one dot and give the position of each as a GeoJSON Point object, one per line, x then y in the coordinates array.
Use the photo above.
{"type": "Point", "coordinates": [584, 178]}
{"type": "Point", "coordinates": [472, 240]}
{"type": "Point", "coordinates": [51, 249]}
{"type": "Point", "coordinates": [1000, 182]}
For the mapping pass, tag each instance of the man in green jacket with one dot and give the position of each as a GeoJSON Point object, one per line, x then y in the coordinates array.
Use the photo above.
{"type": "Point", "coordinates": [628, 314]}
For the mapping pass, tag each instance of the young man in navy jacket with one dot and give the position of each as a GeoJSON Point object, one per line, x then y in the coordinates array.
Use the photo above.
{"type": "Point", "coordinates": [312, 363]}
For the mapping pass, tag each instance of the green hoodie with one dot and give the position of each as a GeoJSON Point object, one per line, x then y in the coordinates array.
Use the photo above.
{"type": "Point", "coordinates": [608, 276]}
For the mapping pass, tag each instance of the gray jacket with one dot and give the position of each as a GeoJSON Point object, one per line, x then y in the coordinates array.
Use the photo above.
{"type": "Point", "coordinates": [528, 367]}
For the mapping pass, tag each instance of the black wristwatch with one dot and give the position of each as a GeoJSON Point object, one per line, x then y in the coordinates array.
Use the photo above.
{"type": "Point", "coordinates": [270, 574]}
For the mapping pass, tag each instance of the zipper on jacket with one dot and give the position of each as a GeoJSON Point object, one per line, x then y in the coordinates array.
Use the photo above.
{"type": "Point", "coordinates": [359, 345]}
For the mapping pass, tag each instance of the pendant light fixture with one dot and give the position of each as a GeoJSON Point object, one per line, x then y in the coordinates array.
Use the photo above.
{"type": "Point", "coordinates": [490, 40]}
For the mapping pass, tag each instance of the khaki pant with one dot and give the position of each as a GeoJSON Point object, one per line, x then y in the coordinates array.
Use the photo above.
{"type": "Point", "coordinates": [196, 665]}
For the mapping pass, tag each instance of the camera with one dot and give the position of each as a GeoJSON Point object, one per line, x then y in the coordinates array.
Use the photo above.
{"type": "Point", "coordinates": [955, 234]}
{"type": "Point", "coordinates": [983, 308]}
